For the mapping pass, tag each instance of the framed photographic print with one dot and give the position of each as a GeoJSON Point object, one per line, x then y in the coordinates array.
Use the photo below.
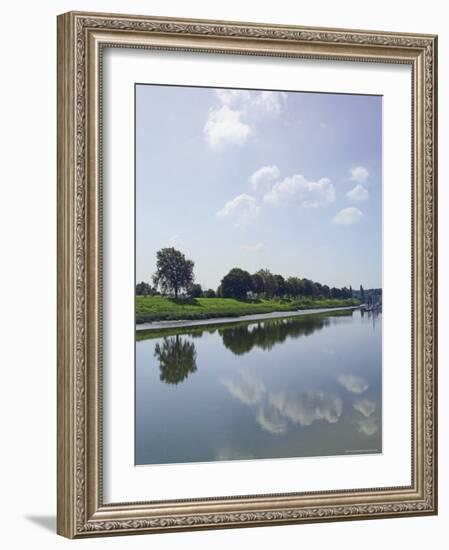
{"type": "Point", "coordinates": [246, 274]}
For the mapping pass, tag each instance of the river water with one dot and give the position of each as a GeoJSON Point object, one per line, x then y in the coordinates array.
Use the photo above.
{"type": "Point", "coordinates": [293, 387]}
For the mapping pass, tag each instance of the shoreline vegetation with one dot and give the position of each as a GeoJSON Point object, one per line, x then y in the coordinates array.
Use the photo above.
{"type": "Point", "coordinates": [175, 296]}
{"type": "Point", "coordinates": [161, 308]}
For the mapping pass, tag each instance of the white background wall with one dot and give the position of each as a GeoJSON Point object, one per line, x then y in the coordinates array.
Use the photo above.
{"type": "Point", "coordinates": [28, 270]}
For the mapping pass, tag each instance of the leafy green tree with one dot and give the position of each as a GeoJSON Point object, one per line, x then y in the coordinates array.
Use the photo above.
{"type": "Point", "coordinates": [294, 285]}
{"type": "Point", "coordinates": [196, 291]}
{"type": "Point", "coordinates": [258, 283]}
{"type": "Point", "coordinates": [335, 292]}
{"type": "Point", "coordinates": [143, 289]}
{"type": "Point", "coordinates": [209, 293]}
{"type": "Point", "coordinates": [325, 291]}
{"type": "Point", "coordinates": [269, 282]}
{"type": "Point", "coordinates": [174, 272]}
{"type": "Point", "coordinates": [236, 284]}
{"type": "Point", "coordinates": [281, 286]}
{"type": "Point", "coordinates": [309, 288]}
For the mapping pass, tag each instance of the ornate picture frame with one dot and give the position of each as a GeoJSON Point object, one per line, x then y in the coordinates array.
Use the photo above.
{"type": "Point", "coordinates": [82, 39]}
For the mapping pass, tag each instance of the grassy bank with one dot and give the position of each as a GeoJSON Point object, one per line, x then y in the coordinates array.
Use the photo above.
{"type": "Point", "coordinates": [159, 308]}
{"type": "Point", "coordinates": [212, 327]}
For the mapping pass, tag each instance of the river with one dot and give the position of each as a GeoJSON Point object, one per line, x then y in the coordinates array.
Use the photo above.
{"type": "Point", "coordinates": [274, 388]}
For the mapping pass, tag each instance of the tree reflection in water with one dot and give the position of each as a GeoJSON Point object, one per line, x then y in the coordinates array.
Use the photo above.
{"type": "Point", "coordinates": [241, 339]}
{"type": "Point", "coordinates": [177, 353]}
{"type": "Point", "coordinates": [177, 359]}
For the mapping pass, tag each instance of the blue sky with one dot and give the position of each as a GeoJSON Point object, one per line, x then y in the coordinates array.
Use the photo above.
{"type": "Point", "coordinates": [289, 181]}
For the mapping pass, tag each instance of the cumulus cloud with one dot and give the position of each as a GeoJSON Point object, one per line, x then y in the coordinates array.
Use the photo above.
{"type": "Point", "coordinates": [354, 384]}
{"type": "Point", "coordinates": [241, 209]}
{"type": "Point", "coordinates": [358, 193]}
{"type": "Point", "coordinates": [269, 102]}
{"type": "Point", "coordinates": [271, 420]}
{"type": "Point", "coordinates": [232, 97]}
{"type": "Point", "coordinates": [299, 191]}
{"type": "Point", "coordinates": [246, 388]}
{"type": "Point", "coordinates": [234, 120]}
{"type": "Point", "coordinates": [348, 216]}
{"type": "Point", "coordinates": [225, 127]}
{"type": "Point", "coordinates": [368, 426]}
{"type": "Point", "coordinates": [359, 174]}
{"type": "Point", "coordinates": [308, 407]}
{"type": "Point", "coordinates": [365, 407]}
{"type": "Point", "coordinates": [261, 179]}
{"type": "Point", "coordinates": [257, 247]}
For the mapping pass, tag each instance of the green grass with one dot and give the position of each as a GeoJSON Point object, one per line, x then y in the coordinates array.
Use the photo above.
{"type": "Point", "coordinates": [160, 308]}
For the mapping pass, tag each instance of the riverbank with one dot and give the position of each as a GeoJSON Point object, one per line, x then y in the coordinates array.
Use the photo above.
{"type": "Point", "coordinates": [146, 330]}
{"type": "Point", "coordinates": [150, 309]}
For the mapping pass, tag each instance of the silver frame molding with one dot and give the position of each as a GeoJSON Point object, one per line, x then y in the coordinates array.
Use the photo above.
{"type": "Point", "coordinates": [81, 39]}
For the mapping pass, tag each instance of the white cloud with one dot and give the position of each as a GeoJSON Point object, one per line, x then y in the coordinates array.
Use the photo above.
{"type": "Point", "coordinates": [262, 178]}
{"type": "Point", "coordinates": [308, 407]}
{"type": "Point", "coordinates": [269, 102]}
{"type": "Point", "coordinates": [348, 216]}
{"type": "Point", "coordinates": [232, 97]}
{"type": "Point", "coordinates": [248, 389]}
{"type": "Point", "coordinates": [358, 193]}
{"type": "Point", "coordinates": [368, 426]}
{"type": "Point", "coordinates": [298, 190]}
{"type": "Point", "coordinates": [234, 120]}
{"type": "Point", "coordinates": [224, 127]}
{"type": "Point", "coordinates": [365, 407]}
{"type": "Point", "coordinates": [271, 420]}
{"type": "Point", "coordinates": [359, 174]}
{"type": "Point", "coordinates": [354, 384]}
{"type": "Point", "coordinates": [242, 209]}
{"type": "Point", "coordinates": [257, 247]}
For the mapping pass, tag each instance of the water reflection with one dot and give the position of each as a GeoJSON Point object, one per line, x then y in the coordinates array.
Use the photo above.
{"type": "Point", "coordinates": [242, 339]}
{"type": "Point", "coordinates": [365, 407]}
{"type": "Point", "coordinates": [276, 410]}
{"type": "Point", "coordinates": [354, 384]}
{"type": "Point", "coordinates": [247, 388]}
{"type": "Point", "coordinates": [306, 408]}
{"type": "Point", "coordinates": [368, 424]}
{"type": "Point", "coordinates": [177, 359]}
{"type": "Point", "coordinates": [177, 354]}
{"type": "Point", "coordinates": [304, 386]}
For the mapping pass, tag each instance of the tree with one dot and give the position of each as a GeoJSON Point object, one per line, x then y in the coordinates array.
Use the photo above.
{"type": "Point", "coordinates": [174, 272]}
{"type": "Point", "coordinates": [210, 293]}
{"type": "Point", "coordinates": [335, 292]}
{"type": "Point", "coordinates": [258, 283]}
{"type": "Point", "coordinates": [362, 294]}
{"type": "Point", "coordinates": [325, 291]}
{"type": "Point", "coordinates": [269, 282]}
{"type": "Point", "coordinates": [143, 289]}
{"type": "Point", "coordinates": [309, 287]}
{"type": "Point", "coordinates": [196, 291]}
{"type": "Point", "coordinates": [236, 284]}
{"type": "Point", "coordinates": [281, 286]}
{"type": "Point", "coordinates": [294, 286]}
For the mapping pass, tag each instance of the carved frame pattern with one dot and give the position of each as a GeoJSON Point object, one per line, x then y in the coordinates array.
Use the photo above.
{"type": "Point", "coordinates": [81, 37]}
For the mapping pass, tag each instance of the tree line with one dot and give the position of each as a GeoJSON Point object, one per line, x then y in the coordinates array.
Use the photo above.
{"type": "Point", "coordinates": [175, 275]}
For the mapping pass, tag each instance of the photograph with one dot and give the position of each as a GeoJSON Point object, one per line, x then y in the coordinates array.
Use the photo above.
{"type": "Point", "coordinates": [258, 274]}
